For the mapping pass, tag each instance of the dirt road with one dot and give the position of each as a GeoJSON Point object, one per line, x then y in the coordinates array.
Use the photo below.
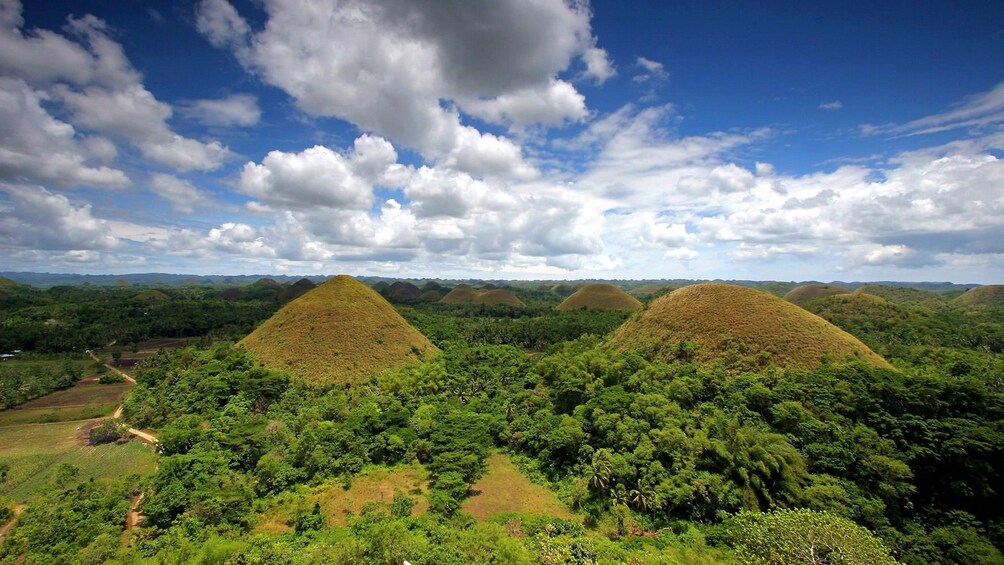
{"type": "Point", "coordinates": [112, 369]}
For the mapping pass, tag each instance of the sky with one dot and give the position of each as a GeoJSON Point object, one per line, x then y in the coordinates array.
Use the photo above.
{"type": "Point", "coordinates": [530, 139]}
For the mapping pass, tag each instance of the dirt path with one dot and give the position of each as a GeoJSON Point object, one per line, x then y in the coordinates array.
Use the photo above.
{"type": "Point", "coordinates": [112, 369]}
{"type": "Point", "coordinates": [6, 527]}
{"type": "Point", "coordinates": [134, 518]}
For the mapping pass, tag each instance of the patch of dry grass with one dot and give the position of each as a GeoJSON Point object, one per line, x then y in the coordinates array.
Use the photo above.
{"type": "Point", "coordinates": [504, 489]}
{"type": "Point", "coordinates": [804, 294]}
{"type": "Point", "coordinates": [340, 332]}
{"type": "Point", "coordinates": [600, 296]}
{"type": "Point", "coordinates": [376, 485]}
{"type": "Point", "coordinates": [86, 399]}
{"type": "Point", "coordinates": [738, 327]}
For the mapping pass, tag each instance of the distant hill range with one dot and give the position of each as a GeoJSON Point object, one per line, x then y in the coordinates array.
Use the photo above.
{"type": "Point", "coordinates": [780, 288]}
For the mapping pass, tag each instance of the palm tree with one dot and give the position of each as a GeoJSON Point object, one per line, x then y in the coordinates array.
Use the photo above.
{"type": "Point", "coordinates": [619, 495]}
{"type": "Point", "coordinates": [642, 496]}
{"type": "Point", "coordinates": [598, 474]}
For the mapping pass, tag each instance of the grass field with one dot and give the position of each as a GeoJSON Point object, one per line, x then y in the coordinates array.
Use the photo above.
{"type": "Point", "coordinates": [374, 485]}
{"type": "Point", "coordinates": [35, 450]}
{"type": "Point", "coordinates": [504, 489]}
{"type": "Point", "coordinates": [600, 297]}
{"type": "Point", "coordinates": [86, 399]}
{"type": "Point", "coordinates": [144, 349]}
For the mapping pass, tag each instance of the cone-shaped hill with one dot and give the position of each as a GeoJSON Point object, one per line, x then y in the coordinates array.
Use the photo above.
{"type": "Point", "coordinates": [878, 322]}
{"type": "Point", "coordinates": [800, 296]}
{"type": "Point", "coordinates": [403, 292]}
{"type": "Point", "coordinates": [297, 289]}
{"type": "Point", "coordinates": [340, 332]}
{"type": "Point", "coordinates": [466, 294]}
{"type": "Point", "coordinates": [267, 283]}
{"type": "Point", "coordinates": [738, 327]}
{"type": "Point", "coordinates": [983, 296]}
{"type": "Point", "coordinates": [905, 295]}
{"type": "Point", "coordinates": [600, 296]}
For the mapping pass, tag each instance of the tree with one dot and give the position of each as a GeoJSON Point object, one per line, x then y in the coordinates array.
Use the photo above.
{"type": "Point", "coordinates": [803, 536]}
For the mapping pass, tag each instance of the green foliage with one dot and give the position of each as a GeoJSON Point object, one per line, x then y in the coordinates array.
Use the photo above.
{"type": "Point", "coordinates": [21, 381]}
{"type": "Point", "coordinates": [108, 432]}
{"type": "Point", "coordinates": [803, 536]}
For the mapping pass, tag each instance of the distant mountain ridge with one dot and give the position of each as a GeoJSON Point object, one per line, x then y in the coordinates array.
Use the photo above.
{"type": "Point", "coordinates": [45, 280]}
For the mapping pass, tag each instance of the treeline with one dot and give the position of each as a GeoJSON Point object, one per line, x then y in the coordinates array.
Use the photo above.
{"type": "Point", "coordinates": [63, 319]}
{"type": "Point", "coordinates": [21, 381]}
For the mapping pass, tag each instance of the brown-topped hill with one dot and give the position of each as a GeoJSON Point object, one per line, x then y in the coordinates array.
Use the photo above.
{"type": "Point", "coordinates": [802, 295]}
{"type": "Point", "coordinates": [991, 295]}
{"type": "Point", "coordinates": [466, 294]}
{"type": "Point", "coordinates": [297, 289]}
{"type": "Point", "coordinates": [600, 296]}
{"type": "Point", "coordinates": [403, 292]}
{"type": "Point", "coordinates": [340, 332]}
{"type": "Point", "coordinates": [737, 327]}
{"type": "Point", "coordinates": [153, 295]}
{"type": "Point", "coordinates": [267, 283]}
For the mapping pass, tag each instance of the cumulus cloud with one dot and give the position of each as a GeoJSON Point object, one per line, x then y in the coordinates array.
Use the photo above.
{"type": "Point", "coordinates": [35, 146]}
{"type": "Point", "coordinates": [386, 66]}
{"type": "Point", "coordinates": [831, 105]}
{"type": "Point", "coordinates": [89, 74]}
{"type": "Point", "coordinates": [40, 220]}
{"type": "Point", "coordinates": [598, 64]}
{"type": "Point", "coordinates": [234, 110]}
{"type": "Point", "coordinates": [181, 194]}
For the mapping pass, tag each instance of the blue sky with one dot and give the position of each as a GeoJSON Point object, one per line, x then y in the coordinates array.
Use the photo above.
{"type": "Point", "coordinates": [523, 139]}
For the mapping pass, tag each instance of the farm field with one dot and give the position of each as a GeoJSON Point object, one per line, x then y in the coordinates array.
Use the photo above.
{"type": "Point", "coordinates": [34, 451]}
{"type": "Point", "coordinates": [85, 400]}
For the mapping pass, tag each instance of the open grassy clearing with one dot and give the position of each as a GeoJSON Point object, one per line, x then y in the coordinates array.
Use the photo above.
{"type": "Point", "coordinates": [144, 349]}
{"type": "Point", "coordinates": [504, 489]}
{"type": "Point", "coordinates": [85, 400]}
{"type": "Point", "coordinates": [376, 485]}
{"type": "Point", "coordinates": [34, 451]}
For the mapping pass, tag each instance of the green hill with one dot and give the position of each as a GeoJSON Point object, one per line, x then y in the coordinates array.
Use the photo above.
{"type": "Point", "coordinates": [340, 332]}
{"type": "Point", "coordinates": [878, 322]}
{"type": "Point", "coordinates": [152, 295]}
{"type": "Point", "coordinates": [600, 296]}
{"type": "Point", "coordinates": [461, 294]}
{"type": "Point", "coordinates": [403, 292]}
{"type": "Point", "coordinates": [737, 328]}
{"type": "Point", "coordinates": [906, 295]}
{"type": "Point", "coordinates": [804, 294]}
{"type": "Point", "coordinates": [983, 296]}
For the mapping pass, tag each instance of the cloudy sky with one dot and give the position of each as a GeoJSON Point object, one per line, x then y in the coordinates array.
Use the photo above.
{"type": "Point", "coordinates": [504, 139]}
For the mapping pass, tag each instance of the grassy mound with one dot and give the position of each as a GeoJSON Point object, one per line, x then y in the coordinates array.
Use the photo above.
{"type": "Point", "coordinates": [430, 296]}
{"type": "Point", "coordinates": [804, 294]}
{"type": "Point", "coordinates": [232, 293]}
{"type": "Point", "coordinates": [600, 297]}
{"type": "Point", "coordinates": [737, 328]}
{"type": "Point", "coordinates": [340, 332]}
{"type": "Point", "coordinates": [152, 295]}
{"type": "Point", "coordinates": [647, 290]}
{"type": "Point", "coordinates": [466, 294]}
{"type": "Point", "coordinates": [498, 296]}
{"type": "Point", "coordinates": [403, 292]}
{"type": "Point", "coordinates": [380, 286]}
{"type": "Point", "coordinates": [462, 294]}
{"type": "Point", "coordinates": [297, 289]}
{"type": "Point", "coordinates": [906, 296]}
{"type": "Point", "coordinates": [983, 296]}
{"type": "Point", "coordinates": [267, 283]}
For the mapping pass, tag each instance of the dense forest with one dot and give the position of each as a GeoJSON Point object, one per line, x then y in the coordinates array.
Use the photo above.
{"type": "Point", "coordinates": [658, 461]}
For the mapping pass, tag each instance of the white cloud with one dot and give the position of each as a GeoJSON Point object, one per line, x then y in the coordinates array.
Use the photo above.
{"type": "Point", "coordinates": [38, 147]}
{"type": "Point", "coordinates": [94, 82]}
{"type": "Point", "coordinates": [831, 105]}
{"type": "Point", "coordinates": [598, 64]}
{"type": "Point", "coordinates": [652, 71]}
{"type": "Point", "coordinates": [40, 220]}
{"type": "Point", "coordinates": [387, 66]}
{"type": "Point", "coordinates": [182, 195]}
{"type": "Point", "coordinates": [234, 110]}
{"type": "Point", "coordinates": [318, 176]}
{"type": "Point", "coordinates": [979, 110]}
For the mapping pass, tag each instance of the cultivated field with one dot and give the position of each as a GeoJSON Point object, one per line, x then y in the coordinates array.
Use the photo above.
{"type": "Point", "coordinates": [87, 399]}
{"type": "Point", "coordinates": [34, 451]}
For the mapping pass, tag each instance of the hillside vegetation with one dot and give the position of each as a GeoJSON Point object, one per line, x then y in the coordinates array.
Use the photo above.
{"type": "Point", "coordinates": [600, 297]}
{"type": "Point", "coordinates": [807, 293]}
{"type": "Point", "coordinates": [340, 332]}
{"type": "Point", "coordinates": [989, 295]}
{"type": "Point", "coordinates": [905, 295]}
{"type": "Point", "coordinates": [739, 328]}
{"type": "Point", "coordinates": [466, 294]}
